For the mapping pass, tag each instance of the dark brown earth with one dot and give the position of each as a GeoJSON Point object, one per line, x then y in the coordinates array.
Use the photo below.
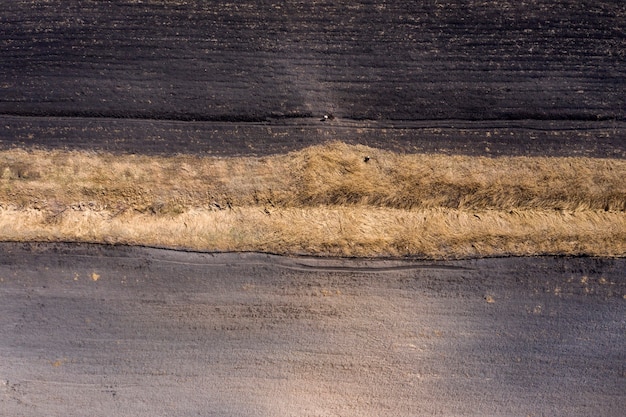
{"type": "Point", "coordinates": [115, 331]}
{"type": "Point", "coordinates": [536, 77]}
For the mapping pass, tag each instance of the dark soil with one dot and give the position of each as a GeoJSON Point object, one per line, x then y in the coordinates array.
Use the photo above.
{"type": "Point", "coordinates": [532, 77]}
{"type": "Point", "coordinates": [162, 137]}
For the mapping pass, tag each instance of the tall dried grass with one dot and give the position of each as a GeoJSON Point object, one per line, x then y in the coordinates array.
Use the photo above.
{"type": "Point", "coordinates": [329, 199]}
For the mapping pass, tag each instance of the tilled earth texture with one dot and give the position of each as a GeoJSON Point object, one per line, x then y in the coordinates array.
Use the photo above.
{"type": "Point", "coordinates": [531, 77]}
{"type": "Point", "coordinates": [104, 331]}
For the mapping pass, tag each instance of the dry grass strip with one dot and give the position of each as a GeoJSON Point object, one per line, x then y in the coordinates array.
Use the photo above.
{"type": "Point", "coordinates": [331, 199]}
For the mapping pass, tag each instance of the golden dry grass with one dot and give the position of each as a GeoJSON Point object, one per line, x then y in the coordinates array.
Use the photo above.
{"type": "Point", "coordinates": [322, 200]}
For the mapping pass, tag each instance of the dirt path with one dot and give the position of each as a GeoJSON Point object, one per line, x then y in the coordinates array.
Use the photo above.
{"type": "Point", "coordinates": [128, 331]}
{"type": "Point", "coordinates": [166, 137]}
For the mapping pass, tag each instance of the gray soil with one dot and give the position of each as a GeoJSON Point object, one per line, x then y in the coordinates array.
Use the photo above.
{"type": "Point", "coordinates": [116, 331]}
{"type": "Point", "coordinates": [536, 77]}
